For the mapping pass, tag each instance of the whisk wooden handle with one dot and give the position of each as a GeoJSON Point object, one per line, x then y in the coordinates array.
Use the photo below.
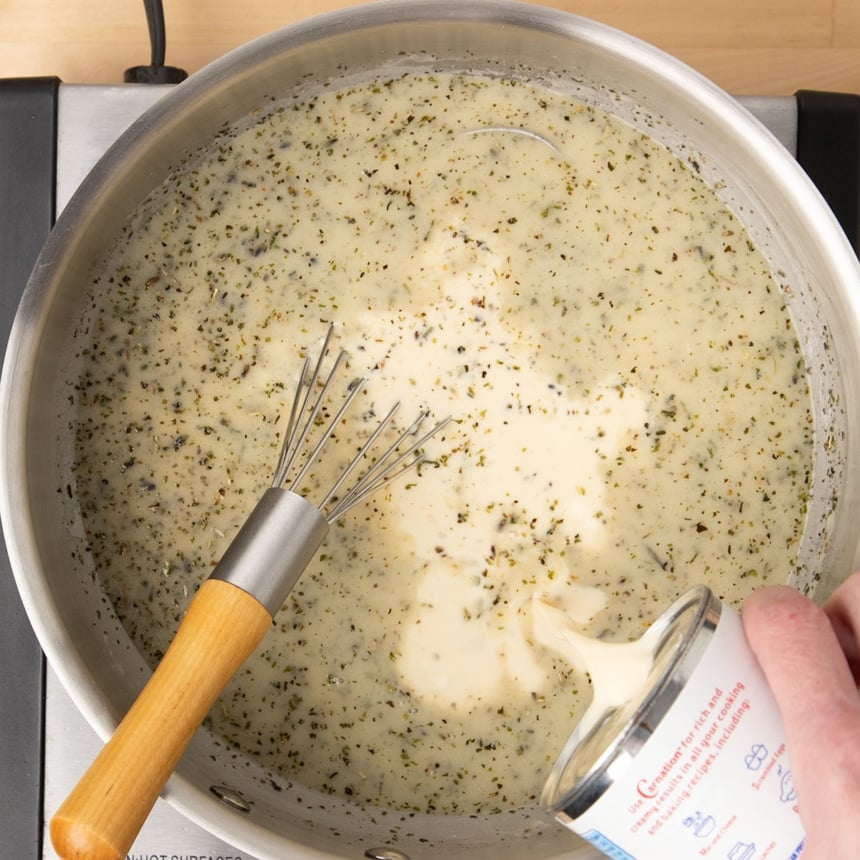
{"type": "Point", "coordinates": [104, 812]}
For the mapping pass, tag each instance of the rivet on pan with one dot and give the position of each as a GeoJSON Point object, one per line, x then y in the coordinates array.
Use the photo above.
{"type": "Point", "coordinates": [385, 854]}
{"type": "Point", "coordinates": [231, 797]}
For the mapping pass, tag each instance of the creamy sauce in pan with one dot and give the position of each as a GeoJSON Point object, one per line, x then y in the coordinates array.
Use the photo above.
{"type": "Point", "coordinates": [630, 403]}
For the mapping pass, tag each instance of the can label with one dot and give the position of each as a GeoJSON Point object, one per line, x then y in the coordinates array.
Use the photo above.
{"type": "Point", "coordinates": [714, 780]}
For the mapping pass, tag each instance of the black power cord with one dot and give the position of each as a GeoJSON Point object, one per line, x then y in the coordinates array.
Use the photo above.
{"type": "Point", "coordinates": [156, 72]}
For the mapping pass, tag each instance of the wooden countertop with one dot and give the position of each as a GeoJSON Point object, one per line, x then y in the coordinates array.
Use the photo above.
{"type": "Point", "coordinates": [764, 47]}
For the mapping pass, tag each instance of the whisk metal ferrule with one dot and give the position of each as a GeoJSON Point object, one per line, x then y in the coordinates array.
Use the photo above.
{"type": "Point", "coordinates": [273, 547]}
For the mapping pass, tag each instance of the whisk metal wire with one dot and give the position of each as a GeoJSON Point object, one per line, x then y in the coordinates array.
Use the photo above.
{"type": "Point", "coordinates": [305, 417]}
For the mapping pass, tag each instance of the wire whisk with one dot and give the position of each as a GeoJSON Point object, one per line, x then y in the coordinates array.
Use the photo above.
{"type": "Point", "coordinates": [228, 617]}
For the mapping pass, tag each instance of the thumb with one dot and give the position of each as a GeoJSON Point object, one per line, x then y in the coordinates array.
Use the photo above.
{"type": "Point", "coordinates": [806, 668]}
{"type": "Point", "coordinates": [801, 656]}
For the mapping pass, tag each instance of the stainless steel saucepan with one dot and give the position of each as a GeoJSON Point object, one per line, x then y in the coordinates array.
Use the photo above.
{"type": "Point", "coordinates": [83, 640]}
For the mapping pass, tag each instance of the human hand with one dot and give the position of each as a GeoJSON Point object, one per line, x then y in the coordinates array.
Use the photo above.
{"type": "Point", "coordinates": [811, 658]}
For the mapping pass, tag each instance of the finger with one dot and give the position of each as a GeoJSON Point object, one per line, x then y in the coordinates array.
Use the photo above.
{"type": "Point", "coordinates": [804, 664]}
{"type": "Point", "coordinates": [801, 656]}
{"type": "Point", "coordinates": [843, 609]}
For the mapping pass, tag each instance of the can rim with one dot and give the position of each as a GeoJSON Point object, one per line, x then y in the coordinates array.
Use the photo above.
{"type": "Point", "coordinates": [602, 752]}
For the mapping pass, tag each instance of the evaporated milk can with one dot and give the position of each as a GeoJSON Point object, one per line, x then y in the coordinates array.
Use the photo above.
{"type": "Point", "coordinates": [696, 764]}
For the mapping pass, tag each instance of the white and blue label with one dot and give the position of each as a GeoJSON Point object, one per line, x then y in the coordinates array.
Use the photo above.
{"type": "Point", "coordinates": [714, 780]}
{"type": "Point", "coordinates": [607, 846]}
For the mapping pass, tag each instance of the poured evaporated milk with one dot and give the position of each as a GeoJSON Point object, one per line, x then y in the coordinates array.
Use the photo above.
{"type": "Point", "coordinates": [618, 670]}
{"type": "Point", "coordinates": [690, 760]}
{"type": "Point", "coordinates": [630, 403]}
